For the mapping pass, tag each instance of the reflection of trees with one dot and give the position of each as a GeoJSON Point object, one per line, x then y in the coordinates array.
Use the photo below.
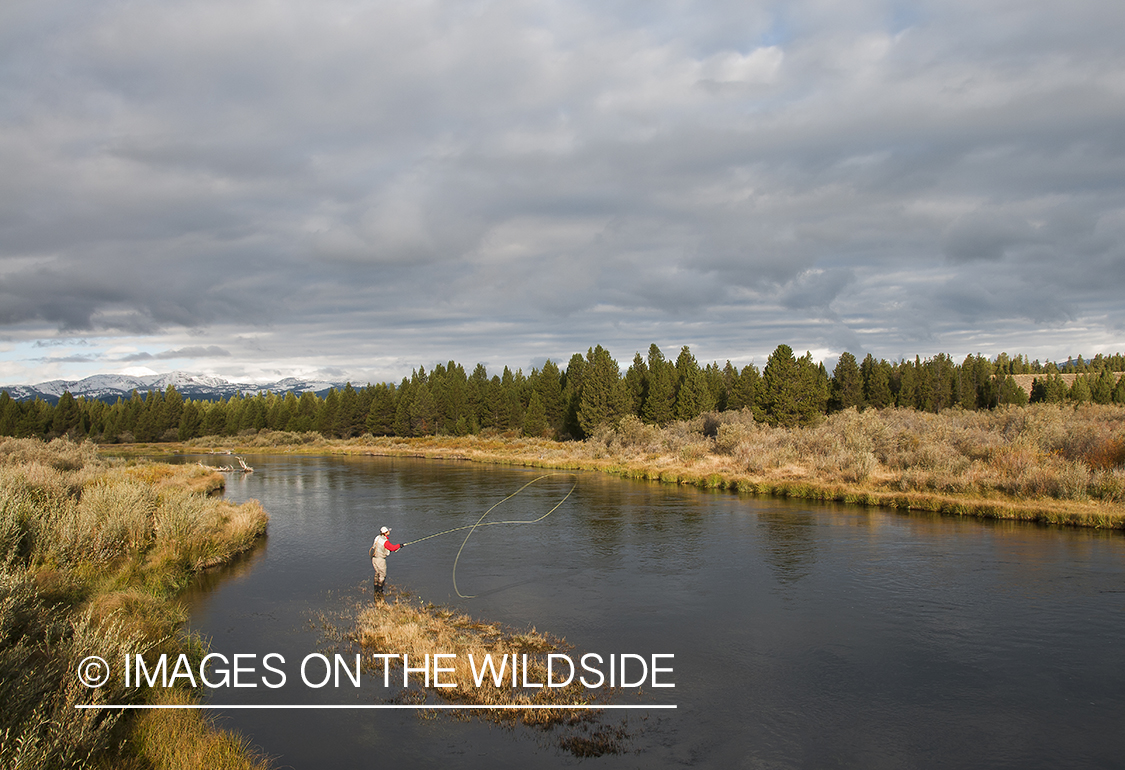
{"type": "Point", "coordinates": [662, 522]}
{"type": "Point", "coordinates": [790, 544]}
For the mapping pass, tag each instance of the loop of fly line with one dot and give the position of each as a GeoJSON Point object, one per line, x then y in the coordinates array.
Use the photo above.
{"type": "Point", "coordinates": [480, 522]}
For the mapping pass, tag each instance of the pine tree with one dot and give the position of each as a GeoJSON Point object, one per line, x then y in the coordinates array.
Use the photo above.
{"type": "Point", "coordinates": [66, 416]}
{"type": "Point", "coordinates": [32, 420]}
{"type": "Point", "coordinates": [279, 410]}
{"type": "Point", "coordinates": [877, 378]}
{"type": "Point", "coordinates": [451, 393]}
{"type": "Point", "coordinates": [636, 385]}
{"type": "Point", "coordinates": [233, 412]}
{"type": "Point", "coordinates": [688, 388]}
{"type": "Point", "coordinates": [987, 389]}
{"type": "Point", "coordinates": [328, 416]}
{"type": "Point", "coordinates": [253, 414]}
{"type": "Point", "coordinates": [173, 407]}
{"type": "Point", "coordinates": [191, 422]}
{"type": "Point", "coordinates": [750, 392]}
{"type": "Point", "coordinates": [966, 385]}
{"type": "Point", "coordinates": [716, 387]}
{"type": "Point", "coordinates": [1057, 389]}
{"type": "Point", "coordinates": [602, 399]}
{"type": "Point", "coordinates": [512, 387]}
{"type": "Point", "coordinates": [813, 389]}
{"type": "Point", "coordinates": [1080, 389]}
{"type": "Point", "coordinates": [9, 414]}
{"type": "Point", "coordinates": [944, 382]}
{"type": "Point", "coordinates": [492, 413]}
{"type": "Point", "coordinates": [661, 397]}
{"type": "Point", "coordinates": [572, 389]}
{"type": "Point", "coordinates": [403, 401]}
{"type": "Point", "coordinates": [1101, 389]}
{"type": "Point", "coordinates": [381, 416]}
{"type": "Point", "coordinates": [1011, 393]}
{"type": "Point", "coordinates": [475, 390]}
{"type": "Point", "coordinates": [780, 388]}
{"type": "Point", "coordinates": [214, 419]}
{"type": "Point", "coordinates": [907, 395]}
{"type": "Point", "coordinates": [353, 419]}
{"type": "Point", "coordinates": [303, 419]}
{"type": "Point", "coordinates": [423, 411]}
{"type": "Point", "coordinates": [691, 396]}
{"type": "Point", "coordinates": [1119, 391]}
{"type": "Point", "coordinates": [549, 389]}
{"type": "Point", "coordinates": [732, 386]}
{"type": "Point", "coordinates": [846, 388]}
{"type": "Point", "coordinates": [535, 420]}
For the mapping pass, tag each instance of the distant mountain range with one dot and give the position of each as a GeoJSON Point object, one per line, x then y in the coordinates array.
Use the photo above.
{"type": "Point", "coordinates": [110, 387]}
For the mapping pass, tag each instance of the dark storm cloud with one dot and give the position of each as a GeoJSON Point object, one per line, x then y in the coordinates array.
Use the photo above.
{"type": "Point", "coordinates": [414, 181]}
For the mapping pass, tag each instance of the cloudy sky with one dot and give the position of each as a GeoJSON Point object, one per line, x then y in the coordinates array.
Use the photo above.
{"type": "Point", "coordinates": [264, 188]}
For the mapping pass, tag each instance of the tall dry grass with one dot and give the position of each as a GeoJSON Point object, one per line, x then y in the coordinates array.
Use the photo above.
{"type": "Point", "coordinates": [185, 739]}
{"type": "Point", "coordinates": [91, 553]}
{"type": "Point", "coordinates": [263, 439]}
{"type": "Point", "coordinates": [1033, 452]}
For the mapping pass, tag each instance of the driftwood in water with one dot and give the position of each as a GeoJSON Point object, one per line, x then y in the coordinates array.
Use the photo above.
{"type": "Point", "coordinates": [244, 468]}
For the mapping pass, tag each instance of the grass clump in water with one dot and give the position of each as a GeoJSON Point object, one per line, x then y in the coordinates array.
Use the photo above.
{"type": "Point", "coordinates": [405, 626]}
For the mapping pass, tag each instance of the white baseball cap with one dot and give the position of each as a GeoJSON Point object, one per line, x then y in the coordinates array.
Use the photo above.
{"type": "Point", "coordinates": [384, 530]}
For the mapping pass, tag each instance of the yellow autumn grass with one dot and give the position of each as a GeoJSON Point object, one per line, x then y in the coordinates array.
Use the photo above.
{"type": "Point", "coordinates": [417, 630]}
{"type": "Point", "coordinates": [404, 626]}
{"type": "Point", "coordinates": [92, 554]}
{"type": "Point", "coordinates": [186, 739]}
{"type": "Point", "coordinates": [1049, 463]}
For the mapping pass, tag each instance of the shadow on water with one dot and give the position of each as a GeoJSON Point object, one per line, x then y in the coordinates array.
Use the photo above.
{"type": "Point", "coordinates": [242, 565]}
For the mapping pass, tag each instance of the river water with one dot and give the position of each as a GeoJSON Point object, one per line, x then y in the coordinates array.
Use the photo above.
{"type": "Point", "coordinates": [805, 635]}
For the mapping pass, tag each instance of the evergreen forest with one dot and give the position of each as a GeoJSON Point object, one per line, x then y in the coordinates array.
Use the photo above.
{"type": "Point", "coordinates": [572, 403]}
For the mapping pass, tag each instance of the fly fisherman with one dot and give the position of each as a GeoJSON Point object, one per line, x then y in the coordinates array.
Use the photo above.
{"type": "Point", "coordinates": [379, 550]}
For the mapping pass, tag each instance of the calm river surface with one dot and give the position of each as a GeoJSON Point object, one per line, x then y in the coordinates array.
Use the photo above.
{"type": "Point", "coordinates": [804, 635]}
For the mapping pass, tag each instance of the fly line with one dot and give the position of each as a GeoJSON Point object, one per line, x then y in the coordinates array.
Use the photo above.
{"type": "Point", "coordinates": [481, 522]}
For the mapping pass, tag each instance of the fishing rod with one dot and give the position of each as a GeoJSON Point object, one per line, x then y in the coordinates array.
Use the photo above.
{"type": "Point", "coordinates": [480, 522]}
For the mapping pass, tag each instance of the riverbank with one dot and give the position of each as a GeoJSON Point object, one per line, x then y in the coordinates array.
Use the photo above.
{"type": "Point", "coordinates": [93, 552]}
{"type": "Point", "coordinates": [1045, 463]}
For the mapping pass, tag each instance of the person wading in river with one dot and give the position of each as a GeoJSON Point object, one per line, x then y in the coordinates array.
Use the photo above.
{"type": "Point", "coordinates": [379, 550]}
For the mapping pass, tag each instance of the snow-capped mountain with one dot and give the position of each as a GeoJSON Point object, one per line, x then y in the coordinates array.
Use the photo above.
{"type": "Point", "coordinates": [110, 387]}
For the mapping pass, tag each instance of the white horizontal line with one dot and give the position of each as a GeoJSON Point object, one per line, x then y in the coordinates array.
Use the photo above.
{"type": "Point", "coordinates": [362, 706]}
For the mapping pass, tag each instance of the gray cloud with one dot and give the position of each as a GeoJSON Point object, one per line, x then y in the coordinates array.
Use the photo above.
{"type": "Point", "coordinates": [396, 183]}
{"type": "Point", "coordinates": [71, 359]}
{"type": "Point", "coordinates": [198, 351]}
{"type": "Point", "coordinates": [986, 236]}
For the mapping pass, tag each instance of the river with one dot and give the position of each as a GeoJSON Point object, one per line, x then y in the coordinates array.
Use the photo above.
{"type": "Point", "coordinates": [804, 635]}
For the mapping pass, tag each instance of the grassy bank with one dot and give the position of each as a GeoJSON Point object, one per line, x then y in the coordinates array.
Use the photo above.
{"type": "Point", "coordinates": [92, 554]}
{"type": "Point", "coordinates": [1046, 463]}
{"type": "Point", "coordinates": [407, 626]}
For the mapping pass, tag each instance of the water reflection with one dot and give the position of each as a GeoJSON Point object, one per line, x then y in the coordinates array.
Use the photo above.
{"type": "Point", "coordinates": [790, 544]}
{"type": "Point", "coordinates": [239, 567]}
{"type": "Point", "coordinates": [803, 635]}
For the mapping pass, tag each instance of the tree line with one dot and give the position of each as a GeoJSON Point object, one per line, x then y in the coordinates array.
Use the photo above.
{"type": "Point", "coordinates": [573, 402]}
